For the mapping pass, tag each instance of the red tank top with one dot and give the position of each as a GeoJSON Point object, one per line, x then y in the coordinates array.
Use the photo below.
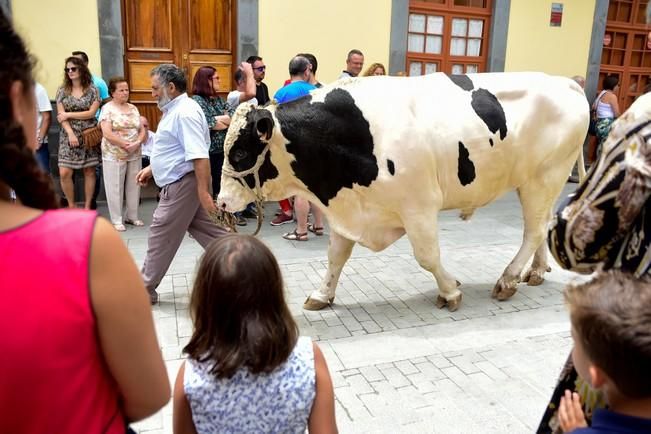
{"type": "Point", "coordinates": [53, 378]}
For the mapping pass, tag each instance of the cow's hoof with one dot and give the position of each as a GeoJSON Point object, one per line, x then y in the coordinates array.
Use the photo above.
{"type": "Point", "coordinates": [504, 290]}
{"type": "Point", "coordinates": [313, 304]}
{"type": "Point", "coordinates": [452, 304]}
{"type": "Point", "coordinates": [534, 277]}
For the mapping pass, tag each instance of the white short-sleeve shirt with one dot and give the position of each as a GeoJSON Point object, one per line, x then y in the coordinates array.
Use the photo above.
{"type": "Point", "coordinates": [233, 99]}
{"type": "Point", "coordinates": [182, 136]}
{"type": "Point", "coordinates": [43, 105]}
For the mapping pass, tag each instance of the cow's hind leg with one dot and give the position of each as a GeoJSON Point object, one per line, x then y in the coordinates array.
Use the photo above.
{"type": "Point", "coordinates": [423, 236]}
{"type": "Point", "coordinates": [536, 274]}
{"type": "Point", "coordinates": [339, 250]}
{"type": "Point", "coordinates": [537, 198]}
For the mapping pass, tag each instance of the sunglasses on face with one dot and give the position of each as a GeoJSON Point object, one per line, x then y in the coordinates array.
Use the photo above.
{"type": "Point", "coordinates": [260, 68]}
{"type": "Point", "coordinates": [73, 69]}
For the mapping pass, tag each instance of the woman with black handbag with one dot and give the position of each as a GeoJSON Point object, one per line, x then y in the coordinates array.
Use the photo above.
{"type": "Point", "coordinates": [77, 102]}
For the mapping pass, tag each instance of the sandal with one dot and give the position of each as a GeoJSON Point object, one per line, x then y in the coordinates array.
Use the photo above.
{"type": "Point", "coordinates": [295, 236]}
{"type": "Point", "coordinates": [318, 231]}
{"type": "Point", "coordinates": [120, 227]}
{"type": "Point", "coordinates": [134, 222]}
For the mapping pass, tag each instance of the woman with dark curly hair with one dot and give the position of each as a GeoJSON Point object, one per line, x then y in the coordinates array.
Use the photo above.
{"type": "Point", "coordinates": [77, 102]}
{"type": "Point", "coordinates": [79, 351]}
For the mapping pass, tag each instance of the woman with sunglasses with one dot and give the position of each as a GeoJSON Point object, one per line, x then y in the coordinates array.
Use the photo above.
{"type": "Point", "coordinates": [77, 102]}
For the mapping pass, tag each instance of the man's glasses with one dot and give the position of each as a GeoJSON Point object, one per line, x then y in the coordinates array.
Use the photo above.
{"type": "Point", "coordinates": [73, 69]}
{"type": "Point", "coordinates": [260, 68]}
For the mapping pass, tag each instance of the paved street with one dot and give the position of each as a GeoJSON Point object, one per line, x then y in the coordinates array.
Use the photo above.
{"type": "Point", "coordinates": [398, 363]}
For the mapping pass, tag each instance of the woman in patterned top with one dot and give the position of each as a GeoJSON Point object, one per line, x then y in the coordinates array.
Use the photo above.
{"type": "Point", "coordinates": [604, 225]}
{"type": "Point", "coordinates": [218, 112]}
{"type": "Point", "coordinates": [121, 154]}
{"type": "Point", "coordinates": [248, 371]}
{"type": "Point", "coordinates": [77, 102]}
{"type": "Point", "coordinates": [218, 115]}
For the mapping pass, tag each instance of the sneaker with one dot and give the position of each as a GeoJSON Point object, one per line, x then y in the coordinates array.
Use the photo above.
{"type": "Point", "coordinates": [282, 219]}
{"type": "Point", "coordinates": [249, 214]}
{"type": "Point", "coordinates": [241, 221]}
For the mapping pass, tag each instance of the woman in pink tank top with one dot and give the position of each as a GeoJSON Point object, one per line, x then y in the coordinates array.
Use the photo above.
{"type": "Point", "coordinates": [78, 351]}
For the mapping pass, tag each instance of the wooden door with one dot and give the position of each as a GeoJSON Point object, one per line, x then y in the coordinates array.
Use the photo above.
{"type": "Point", "coordinates": [187, 33]}
{"type": "Point", "coordinates": [626, 50]}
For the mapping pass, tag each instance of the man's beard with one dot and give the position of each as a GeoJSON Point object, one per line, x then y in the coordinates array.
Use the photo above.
{"type": "Point", "coordinates": [164, 99]}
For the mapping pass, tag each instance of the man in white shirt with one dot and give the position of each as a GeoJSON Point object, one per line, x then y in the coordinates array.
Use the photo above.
{"type": "Point", "coordinates": [148, 145]}
{"type": "Point", "coordinates": [180, 166]}
{"type": "Point", "coordinates": [44, 108]}
{"type": "Point", "coordinates": [354, 64]}
{"type": "Point", "coordinates": [245, 91]}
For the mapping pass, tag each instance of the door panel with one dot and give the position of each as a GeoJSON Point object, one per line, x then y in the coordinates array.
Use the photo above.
{"type": "Point", "coordinates": [210, 38]}
{"type": "Point", "coordinates": [149, 25]}
{"type": "Point", "coordinates": [202, 32]}
{"type": "Point", "coordinates": [210, 32]}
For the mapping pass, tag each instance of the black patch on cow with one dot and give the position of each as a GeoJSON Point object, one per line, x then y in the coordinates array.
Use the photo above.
{"type": "Point", "coordinates": [489, 109]}
{"type": "Point", "coordinates": [331, 141]}
{"type": "Point", "coordinates": [244, 152]}
{"type": "Point", "coordinates": [462, 80]}
{"type": "Point", "coordinates": [490, 140]}
{"type": "Point", "coordinates": [466, 170]}
{"type": "Point", "coordinates": [391, 167]}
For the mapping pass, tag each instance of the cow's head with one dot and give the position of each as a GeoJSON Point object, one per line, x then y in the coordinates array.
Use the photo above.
{"type": "Point", "coordinates": [247, 157]}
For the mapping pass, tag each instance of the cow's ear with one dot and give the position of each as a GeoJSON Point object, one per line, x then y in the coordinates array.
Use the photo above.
{"type": "Point", "coordinates": [264, 124]}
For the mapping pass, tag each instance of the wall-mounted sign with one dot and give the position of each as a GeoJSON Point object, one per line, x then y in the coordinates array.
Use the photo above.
{"type": "Point", "coordinates": [557, 15]}
{"type": "Point", "coordinates": [607, 39]}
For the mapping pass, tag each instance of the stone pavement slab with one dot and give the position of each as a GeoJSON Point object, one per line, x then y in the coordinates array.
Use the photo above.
{"type": "Point", "coordinates": [399, 364]}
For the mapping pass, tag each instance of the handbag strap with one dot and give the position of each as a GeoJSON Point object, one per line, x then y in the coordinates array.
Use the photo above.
{"type": "Point", "coordinates": [596, 101]}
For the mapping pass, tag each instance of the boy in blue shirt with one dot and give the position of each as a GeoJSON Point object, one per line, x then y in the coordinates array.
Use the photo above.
{"type": "Point", "coordinates": [611, 329]}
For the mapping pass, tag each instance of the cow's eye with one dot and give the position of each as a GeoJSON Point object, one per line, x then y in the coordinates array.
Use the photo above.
{"type": "Point", "coordinates": [240, 154]}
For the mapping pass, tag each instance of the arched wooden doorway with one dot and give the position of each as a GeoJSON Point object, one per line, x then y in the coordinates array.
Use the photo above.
{"type": "Point", "coordinates": [188, 33]}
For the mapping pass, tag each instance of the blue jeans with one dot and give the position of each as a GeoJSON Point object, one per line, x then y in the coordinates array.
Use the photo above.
{"type": "Point", "coordinates": [43, 157]}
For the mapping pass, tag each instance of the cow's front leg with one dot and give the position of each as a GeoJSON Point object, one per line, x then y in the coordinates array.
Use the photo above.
{"type": "Point", "coordinates": [339, 250]}
{"type": "Point", "coordinates": [423, 236]}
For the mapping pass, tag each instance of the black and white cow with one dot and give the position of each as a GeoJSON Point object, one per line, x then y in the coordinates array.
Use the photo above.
{"type": "Point", "coordinates": [381, 156]}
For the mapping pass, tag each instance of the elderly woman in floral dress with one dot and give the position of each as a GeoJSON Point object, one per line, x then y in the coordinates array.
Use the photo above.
{"type": "Point", "coordinates": [121, 154]}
